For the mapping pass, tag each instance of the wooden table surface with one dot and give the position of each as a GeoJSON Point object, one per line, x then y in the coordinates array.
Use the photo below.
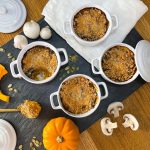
{"type": "Point", "coordinates": [137, 104]}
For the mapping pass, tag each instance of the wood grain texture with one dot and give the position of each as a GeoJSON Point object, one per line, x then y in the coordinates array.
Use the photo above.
{"type": "Point", "coordinates": [137, 104]}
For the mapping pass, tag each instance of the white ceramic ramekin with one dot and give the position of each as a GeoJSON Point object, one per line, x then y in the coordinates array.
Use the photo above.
{"type": "Point", "coordinates": [69, 30]}
{"type": "Point", "coordinates": [101, 72]}
{"type": "Point", "coordinates": [100, 97]}
{"type": "Point", "coordinates": [18, 62]}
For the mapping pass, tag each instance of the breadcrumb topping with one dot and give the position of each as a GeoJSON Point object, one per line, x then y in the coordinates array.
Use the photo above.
{"type": "Point", "coordinates": [78, 95]}
{"type": "Point", "coordinates": [118, 64]}
{"type": "Point", "coordinates": [39, 63]}
{"type": "Point", "coordinates": [90, 24]}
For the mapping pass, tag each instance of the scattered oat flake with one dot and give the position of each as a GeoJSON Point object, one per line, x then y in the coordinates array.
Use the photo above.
{"type": "Point", "coordinates": [77, 68]}
{"type": "Point", "coordinates": [73, 58]}
{"type": "Point", "coordinates": [10, 57]}
{"type": "Point", "coordinates": [67, 68]}
{"type": "Point", "coordinates": [60, 78]}
{"type": "Point", "coordinates": [10, 85]}
{"type": "Point", "coordinates": [35, 143]}
{"type": "Point", "coordinates": [20, 147]}
{"type": "Point", "coordinates": [10, 89]}
{"type": "Point", "coordinates": [15, 90]}
{"type": "Point", "coordinates": [40, 143]}
{"type": "Point", "coordinates": [31, 144]}
{"type": "Point", "coordinates": [13, 59]}
{"type": "Point", "coordinates": [1, 49]}
{"type": "Point", "coordinates": [9, 54]}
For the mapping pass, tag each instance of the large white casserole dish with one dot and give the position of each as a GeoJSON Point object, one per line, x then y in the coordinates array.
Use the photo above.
{"type": "Point", "coordinates": [18, 62]}
{"type": "Point", "coordinates": [69, 30]}
{"type": "Point", "coordinates": [100, 97]}
{"type": "Point", "coordinates": [142, 60]}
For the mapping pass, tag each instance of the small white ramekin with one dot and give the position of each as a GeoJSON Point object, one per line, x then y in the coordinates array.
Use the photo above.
{"type": "Point", "coordinates": [60, 106]}
{"type": "Point", "coordinates": [69, 30]}
{"type": "Point", "coordinates": [18, 62]}
{"type": "Point", "coordinates": [101, 72]}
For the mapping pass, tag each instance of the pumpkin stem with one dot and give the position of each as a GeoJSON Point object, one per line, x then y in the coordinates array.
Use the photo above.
{"type": "Point", "coordinates": [59, 139]}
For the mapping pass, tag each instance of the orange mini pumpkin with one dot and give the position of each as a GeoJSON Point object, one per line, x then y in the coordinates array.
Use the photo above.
{"type": "Point", "coordinates": [3, 71]}
{"type": "Point", "coordinates": [4, 97]}
{"type": "Point", "coordinates": [61, 134]}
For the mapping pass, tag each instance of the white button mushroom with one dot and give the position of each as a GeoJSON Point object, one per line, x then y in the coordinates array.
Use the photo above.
{"type": "Point", "coordinates": [114, 108]}
{"type": "Point", "coordinates": [130, 121]}
{"type": "Point", "coordinates": [20, 41]}
{"type": "Point", "coordinates": [31, 29]}
{"type": "Point", "coordinates": [107, 126]}
{"type": "Point", "coordinates": [46, 33]}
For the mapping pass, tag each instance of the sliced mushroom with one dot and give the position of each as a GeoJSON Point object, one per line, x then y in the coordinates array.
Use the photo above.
{"type": "Point", "coordinates": [107, 126]}
{"type": "Point", "coordinates": [114, 108]}
{"type": "Point", "coordinates": [130, 121]}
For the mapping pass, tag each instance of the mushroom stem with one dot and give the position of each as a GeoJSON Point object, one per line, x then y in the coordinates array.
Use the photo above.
{"type": "Point", "coordinates": [112, 125]}
{"type": "Point", "coordinates": [127, 123]}
{"type": "Point", "coordinates": [107, 126]}
{"type": "Point", "coordinates": [116, 114]}
{"type": "Point", "coordinates": [130, 121]}
{"type": "Point", "coordinates": [114, 108]}
{"type": "Point", "coordinates": [59, 139]}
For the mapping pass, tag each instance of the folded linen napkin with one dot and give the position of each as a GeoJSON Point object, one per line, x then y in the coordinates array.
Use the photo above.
{"type": "Point", "coordinates": [128, 12]}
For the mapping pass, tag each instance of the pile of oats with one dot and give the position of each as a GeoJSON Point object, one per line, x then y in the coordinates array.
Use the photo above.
{"type": "Point", "coordinates": [72, 68]}
{"type": "Point", "coordinates": [34, 144]}
{"type": "Point", "coordinates": [11, 88]}
{"type": "Point", "coordinates": [9, 55]}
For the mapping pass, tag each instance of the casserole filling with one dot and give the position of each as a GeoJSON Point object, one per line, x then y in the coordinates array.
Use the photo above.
{"type": "Point", "coordinates": [118, 64]}
{"type": "Point", "coordinates": [90, 24]}
{"type": "Point", "coordinates": [78, 95]}
{"type": "Point", "coordinates": [39, 63]}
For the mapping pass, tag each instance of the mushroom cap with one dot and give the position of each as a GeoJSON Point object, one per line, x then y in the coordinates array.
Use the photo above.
{"type": "Point", "coordinates": [107, 126]}
{"type": "Point", "coordinates": [114, 108]}
{"type": "Point", "coordinates": [20, 41]}
{"type": "Point", "coordinates": [31, 29]}
{"type": "Point", "coordinates": [130, 121]}
{"type": "Point", "coordinates": [46, 33]}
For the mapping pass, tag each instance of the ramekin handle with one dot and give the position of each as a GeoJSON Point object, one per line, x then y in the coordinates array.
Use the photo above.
{"type": "Point", "coordinates": [67, 28]}
{"type": "Point", "coordinates": [12, 69]}
{"type": "Point", "coordinates": [93, 67]}
{"type": "Point", "coordinates": [52, 101]}
{"type": "Point", "coordinates": [115, 22]}
{"type": "Point", "coordinates": [105, 88]}
{"type": "Point", "coordinates": [65, 54]}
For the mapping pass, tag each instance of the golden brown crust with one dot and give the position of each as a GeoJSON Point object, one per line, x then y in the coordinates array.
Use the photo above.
{"type": "Point", "coordinates": [30, 109]}
{"type": "Point", "coordinates": [78, 95]}
{"type": "Point", "coordinates": [90, 24]}
{"type": "Point", "coordinates": [118, 64]}
{"type": "Point", "coordinates": [39, 60]}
